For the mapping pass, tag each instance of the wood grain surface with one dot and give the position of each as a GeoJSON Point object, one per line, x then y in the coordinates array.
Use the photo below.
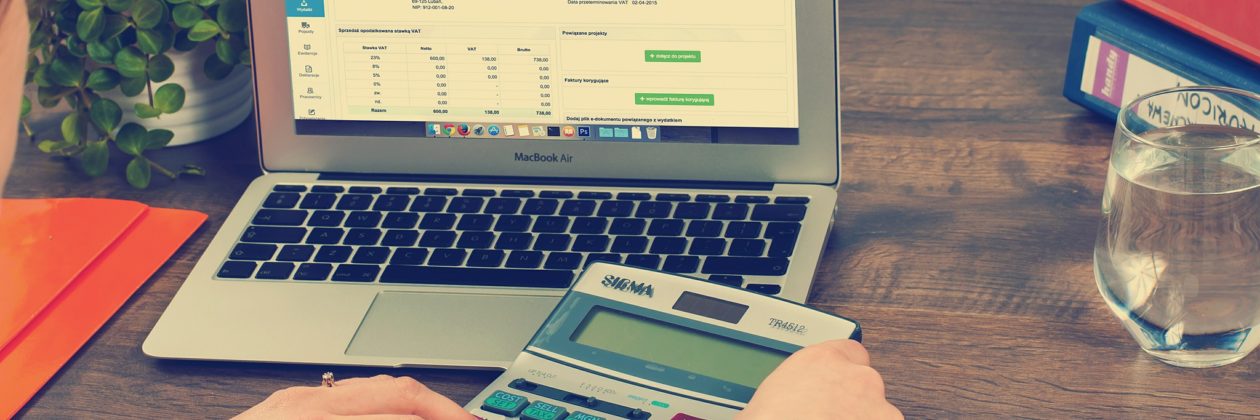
{"type": "Point", "coordinates": [967, 217]}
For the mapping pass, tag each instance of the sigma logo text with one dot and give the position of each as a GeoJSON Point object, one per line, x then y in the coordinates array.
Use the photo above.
{"type": "Point", "coordinates": [628, 286]}
{"type": "Point", "coordinates": [543, 158]}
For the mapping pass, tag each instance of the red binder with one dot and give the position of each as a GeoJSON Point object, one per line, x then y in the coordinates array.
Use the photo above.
{"type": "Point", "coordinates": [1232, 24]}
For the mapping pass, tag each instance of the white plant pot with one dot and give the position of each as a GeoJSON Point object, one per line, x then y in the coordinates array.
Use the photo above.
{"type": "Point", "coordinates": [211, 107]}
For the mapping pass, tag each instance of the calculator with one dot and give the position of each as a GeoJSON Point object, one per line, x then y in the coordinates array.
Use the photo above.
{"type": "Point", "coordinates": [629, 343]}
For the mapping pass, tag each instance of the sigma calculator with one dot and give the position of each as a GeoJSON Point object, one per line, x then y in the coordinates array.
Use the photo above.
{"type": "Point", "coordinates": [629, 343]}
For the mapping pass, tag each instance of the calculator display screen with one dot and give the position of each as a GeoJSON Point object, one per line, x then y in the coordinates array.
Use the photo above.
{"type": "Point", "coordinates": [677, 347]}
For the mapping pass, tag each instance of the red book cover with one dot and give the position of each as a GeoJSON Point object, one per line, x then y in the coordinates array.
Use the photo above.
{"type": "Point", "coordinates": [1232, 24]}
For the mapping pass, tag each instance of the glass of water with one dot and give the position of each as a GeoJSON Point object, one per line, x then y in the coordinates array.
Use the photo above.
{"type": "Point", "coordinates": [1178, 251]}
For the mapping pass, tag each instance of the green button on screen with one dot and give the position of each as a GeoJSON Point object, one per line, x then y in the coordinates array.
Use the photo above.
{"type": "Point", "coordinates": [671, 56]}
{"type": "Point", "coordinates": [677, 99]}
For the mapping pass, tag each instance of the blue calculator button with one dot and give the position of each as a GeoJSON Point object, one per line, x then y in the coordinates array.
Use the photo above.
{"type": "Point", "coordinates": [543, 411]}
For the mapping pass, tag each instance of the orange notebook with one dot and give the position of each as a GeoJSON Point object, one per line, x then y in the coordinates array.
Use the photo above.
{"type": "Point", "coordinates": [62, 276]}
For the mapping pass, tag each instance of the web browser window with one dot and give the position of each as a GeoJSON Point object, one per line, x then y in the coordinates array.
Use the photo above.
{"type": "Point", "coordinates": [697, 71]}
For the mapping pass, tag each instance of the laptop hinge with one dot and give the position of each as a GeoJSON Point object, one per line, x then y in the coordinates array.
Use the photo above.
{"type": "Point", "coordinates": [585, 182]}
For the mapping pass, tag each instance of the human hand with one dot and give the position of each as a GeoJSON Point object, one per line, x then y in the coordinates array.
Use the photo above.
{"type": "Point", "coordinates": [380, 397]}
{"type": "Point", "coordinates": [824, 381]}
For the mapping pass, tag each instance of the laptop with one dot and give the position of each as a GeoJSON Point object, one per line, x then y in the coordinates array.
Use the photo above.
{"type": "Point", "coordinates": [437, 173]}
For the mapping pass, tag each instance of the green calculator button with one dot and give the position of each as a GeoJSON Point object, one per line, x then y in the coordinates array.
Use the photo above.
{"type": "Point", "coordinates": [542, 411]}
{"type": "Point", "coordinates": [578, 415]}
{"type": "Point", "coordinates": [504, 403]}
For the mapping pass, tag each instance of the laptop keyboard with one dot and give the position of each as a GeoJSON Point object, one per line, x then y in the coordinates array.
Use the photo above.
{"type": "Point", "coordinates": [512, 237]}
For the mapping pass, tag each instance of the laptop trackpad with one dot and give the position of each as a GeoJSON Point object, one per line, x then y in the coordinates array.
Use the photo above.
{"type": "Point", "coordinates": [450, 327]}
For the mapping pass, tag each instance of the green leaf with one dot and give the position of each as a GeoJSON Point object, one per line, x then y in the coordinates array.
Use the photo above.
{"type": "Point", "coordinates": [118, 5]}
{"type": "Point", "coordinates": [160, 68]}
{"type": "Point", "coordinates": [193, 170]}
{"type": "Point", "coordinates": [114, 26]}
{"type": "Point", "coordinates": [182, 43]}
{"type": "Point", "coordinates": [232, 15]}
{"type": "Point", "coordinates": [76, 47]}
{"type": "Point", "coordinates": [72, 129]}
{"type": "Point", "coordinates": [106, 114]}
{"type": "Point", "coordinates": [91, 23]}
{"type": "Point", "coordinates": [177, 1]}
{"type": "Point", "coordinates": [95, 158]}
{"type": "Point", "coordinates": [133, 86]}
{"type": "Point", "coordinates": [90, 4]}
{"type": "Point", "coordinates": [131, 62]}
{"type": "Point", "coordinates": [139, 173]}
{"type": "Point", "coordinates": [158, 139]}
{"type": "Point", "coordinates": [147, 14]}
{"type": "Point", "coordinates": [203, 30]}
{"type": "Point", "coordinates": [143, 110]}
{"type": "Point", "coordinates": [216, 69]}
{"type": "Point", "coordinates": [103, 79]}
{"type": "Point", "coordinates": [227, 51]}
{"type": "Point", "coordinates": [131, 139]}
{"type": "Point", "coordinates": [41, 77]}
{"type": "Point", "coordinates": [152, 41]}
{"type": "Point", "coordinates": [49, 97]}
{"type": "Point", "coordinates": [66, 71]}
{"type": "Point", "coordinates": [26, 107]}
{"type": "Point", "coordinates": [100, 53]}
{"type": "Point", "coordinates": [48, 146]}
{"type": "Point", "coordinates": [187, 15]}
{"type": "Point", "coordinates": [169, 98]}
{"type": "Point", "coordinates": [205, 3]}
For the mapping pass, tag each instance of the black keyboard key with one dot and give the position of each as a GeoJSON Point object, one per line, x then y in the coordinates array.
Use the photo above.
{"type": "Point", "coordinates": [673, 197]}
{"type": "Point", "coordinates": [681, 264]}
{"type": "Point", "coordinates": [475, 222]}
{"type": "Point", "coordinates": [280, 217]}
{"type": "Point", "coordinates": [318, 201]}
{"type": "Point", "coordinates": [779, 212]}
{"type": "Point", "coordinates": [630, 244]}
{"type": "Point", "coordinates": [448, 257]}
{"type": "Point", "coordinates": [713, 198]}
{"type": "Point", "coordinates": [747, 247]}
{"type": "Point", "coordinates": [363, 219]}
{"type": "Point", "coordinates": [551, 224]}
{"type": "Point", "coordinates": [707, 246]}
{"type": "Point", "coordinates": [274, 271]}
{"type": "Point", "coordinates": [778, 230]}
{"type": "Point", "coordinates": [354, 202]}
{"type": "Point", "coordinates": [737, 211]}
{"type": "Point", "coordinates": [591, 243]}
{"type": "Point", "coordinates": [524, 259]}
{"type": "Point", "coordinates": [595, 195]}
{"type": "Point", "coordinates": [325, 236]}
{"type": "Point", "coordinates": [554, 279]}
{"type": "Point", "coordinates": [514, 241]}
{"type": "Point", "coordinates": [253, 252]}
{"type": "Point", "coordinates": [634, 196]}
{"type": "Point", "coordinates": [752, 199]}
{"type": "Point", "coordinates": [296, 253]}
{"type": "Point", "coordinates": [792, 200]}
{"type": "Point", "coordinates": [704, 229]}
{"type": "Point", "coordinates": [479, 193]}
{"type": "Point", "coordinates": [563, 261]}
{"type": "Point", "coordinates": [593, 258]}
{"type": "Point", "coordinates": [733, 281]}
{"type": "Point", "coordinates": [692, 211]}
{"type": "Point", "coordinates": [666, 245]}
{"type": "Point", "coordinates": [392, 202]}
{"type": "Point", "coordinates": [237, 269]}
{"type": "Point", "coordinates": [503, 205]}
{"type": "Point", "coordinates": [616, 208]}
{"type": "Point", "coordinates": [409, 256]}
{"type": "Point", "coordinates": [666, 227]}
{"type": "Point", "coordinates": [403, 190]}
{"type": "Point", "coordinates": [485, 258]}
{"type": "Point", "coordinates": [400, 220]}
{"type": "Point", "coordinates": [589, 225]}
{"type": "Point", "coordinates": [466, 205]}
{"type": "Point", "coordinates": [371, 255]}
{"type": "Point", "coordinates": [428, 204]}
{"type": "Point", "coordinates": [356, 273]}
{"type": "Point", "coordinates": [365, 190]}
{"type": "Point", "coordinates": [327, 218]}
{"type": "Point", "coordinates": [282, 200]}
{"type": "Point", "coordinates": [556, 194]}
{"type": "Point", "coordinates": [650, 262]}
{"type": "Point", "coordinates": [290, 188]}
{"type": "Point", "coordinates": [333, 254]}
{"type": "Point", "coordinates": [749, 266]}
{"type": "Point", "coordinates": [440, 191]}
{"type": "Point", "coordinates": [400, 237]}
{"type": "Point", "coordinates": [743, 230]}
{"type": "Point", "coordinates": [654, 209]}
{"type": "Point", "coordinates": [577, 208]}
{"type": "Point", "coordinates": [552, 242]}
{"type": "Point", "coordinates": [516, 193]}
{"type": "Point", "coordinates": [540, 207]}
{"type": "Point", "coordinates": [476, 240]}
{"type": "Point", "coordinates": [362, 237]}
{"type": "Point", "coordinates": [512, 223]}
{"type": "Point", "coordinates": [782, 247]}
{"type": "Point", "coordinates": [769, 289]}
{"type": "Point", "coordinates": [313, 272]}
{"type": "Point", "coordinates": [627, 227]}
{"type": "Point", "coordinates": [438, 221]}
{"type": "Point", "coordinates": [328, 189]}
{"type": "Point", "coordinates": [438, 239]}
{"type": "Point", "coordinates": [273, 235]}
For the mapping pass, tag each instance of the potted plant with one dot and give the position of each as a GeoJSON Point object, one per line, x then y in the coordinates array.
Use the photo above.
{"type": "Point", "coordinates": [137, 76]}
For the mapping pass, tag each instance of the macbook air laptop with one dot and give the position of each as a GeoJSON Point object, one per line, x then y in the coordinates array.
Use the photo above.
{"type": "Point", "coordinates": [437, 172]}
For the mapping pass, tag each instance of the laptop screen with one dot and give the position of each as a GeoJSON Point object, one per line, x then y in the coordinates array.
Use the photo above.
{"type": "Point", "coordinates": [649, 71]}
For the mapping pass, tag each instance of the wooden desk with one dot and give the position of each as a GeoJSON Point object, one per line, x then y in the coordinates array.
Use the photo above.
{"type": "Point", "coordinates": [969, 206]}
